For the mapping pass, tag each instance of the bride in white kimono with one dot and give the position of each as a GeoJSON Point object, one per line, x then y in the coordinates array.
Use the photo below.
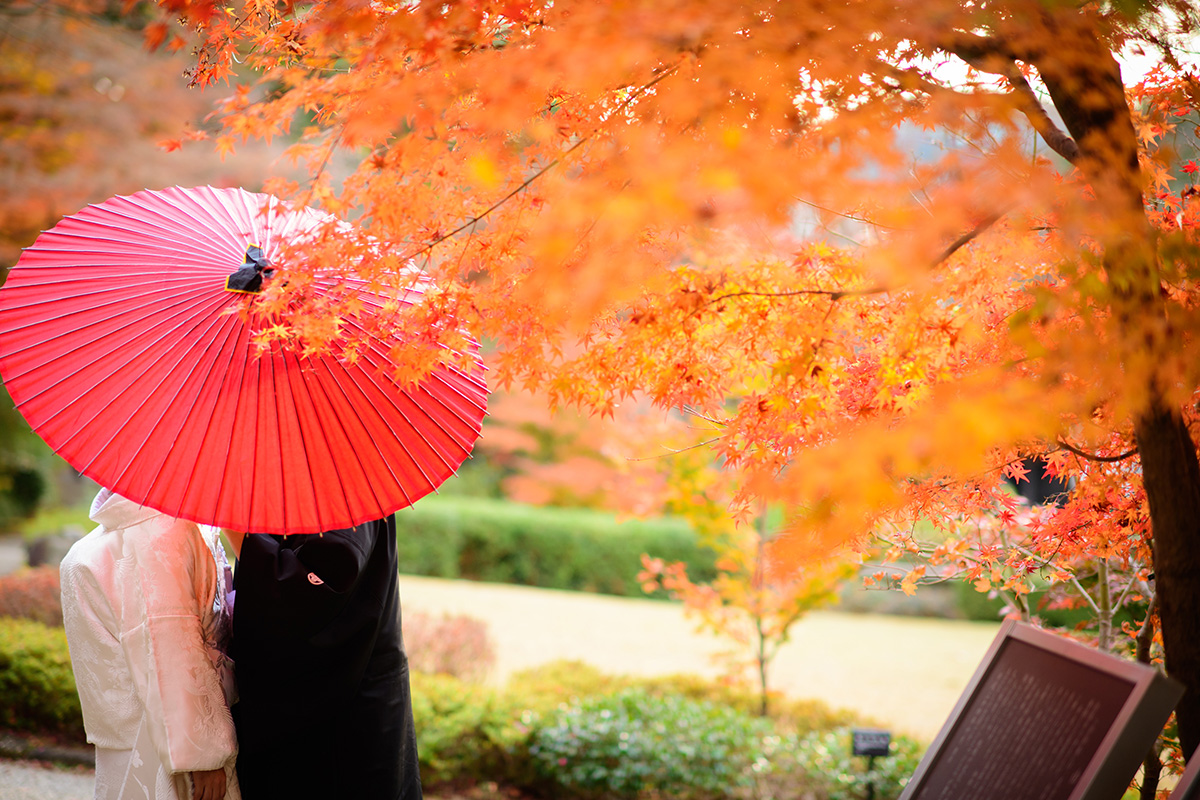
{"type": "Point", "coordinates": [144, 607]}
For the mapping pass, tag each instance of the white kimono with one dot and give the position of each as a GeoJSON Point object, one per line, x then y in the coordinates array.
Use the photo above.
{"type": "Point", "coordinates": [144, 608]}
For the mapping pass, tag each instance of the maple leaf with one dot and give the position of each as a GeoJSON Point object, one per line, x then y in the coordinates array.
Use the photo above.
{"type": "Point", "coordinates": [154, 35]}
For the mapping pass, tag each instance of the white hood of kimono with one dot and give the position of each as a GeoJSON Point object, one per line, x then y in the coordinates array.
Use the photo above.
{"type": "Point", "coordinates": [114, 511]}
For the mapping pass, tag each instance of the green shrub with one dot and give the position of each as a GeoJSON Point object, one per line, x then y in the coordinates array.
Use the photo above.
{"type": "Point", "coordinates": [466, 733]}
{"type": "Point", "coordinates": [52, 521]}
{"type": "Point", "coordinates": [32, 594]}
{"type": "Point", "coordinates": [824, 764]}
{"type": "Point", "coordinates": [553, 548]}
{"type": "Point", "coordinates": [37, 687]}
{"type": "Point", "coordinates": [633, 743]}
{"type": "Point", "coordinates": [545, 687]}
{"type": "Point", "coordinates": [624, 735]}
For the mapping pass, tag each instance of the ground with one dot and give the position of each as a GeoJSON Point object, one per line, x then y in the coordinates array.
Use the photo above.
{"type": "Point", "coordinates": [905, 672]}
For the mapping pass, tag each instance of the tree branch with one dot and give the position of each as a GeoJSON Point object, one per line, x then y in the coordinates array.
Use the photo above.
{"type": "Point", "coordinates": [969, 236]}
{"type": "Point", "coordinates": [836, 295]}
{"type": "Point", "coordinates": [525, 183]}
{"type": "Point", "coordinates": [988, 55]}
{"type": "Point", "coordinates": [833, 294]}
{"type": "Point", "coordinates": [1065, 445]}
{"type": "Point", "coordinates": [1145, 635]}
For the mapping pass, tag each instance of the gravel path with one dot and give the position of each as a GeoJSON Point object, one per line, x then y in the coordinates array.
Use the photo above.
{"type": "Point", "coordinates": [27, 780]}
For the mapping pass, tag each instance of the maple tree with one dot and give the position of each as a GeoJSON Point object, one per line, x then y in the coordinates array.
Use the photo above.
{"type": "Point", "coordinates": [611, 192]}
{"type": "Point", "coordinates": [564, 458]}
{"type": "Point", "coordinates": [747, 602]}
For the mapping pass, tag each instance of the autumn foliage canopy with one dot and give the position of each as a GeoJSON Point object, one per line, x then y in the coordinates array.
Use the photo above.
{"type": "Point", "coordinates": [877, 254]}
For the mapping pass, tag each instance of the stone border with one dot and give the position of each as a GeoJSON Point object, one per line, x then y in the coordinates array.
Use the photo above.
{"type": "Point", "coordinates": [17, 747]}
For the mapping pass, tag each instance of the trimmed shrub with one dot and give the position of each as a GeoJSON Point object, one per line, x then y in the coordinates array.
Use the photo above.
{"type": "Point", "coordinates": [826, 767]}
{"type": "Point", "coordinates": [633, 743]}
{"type": "Point", "coordinates": [37, 687]}
{"type": "Point", "coordinates": [553, 548]}
{"type": "Point", "coordinates": [466, 733]}
{"type": "Point", "coordinates": [452, 644]}
{"type": "Point", "coordinates": [547, 686]}
{"type": "Point", "coordinates": [544, 688]}
{"type": "Point", "coordinates": [32, 594]}
{"type": "Point", "coordinates": [517, 736]}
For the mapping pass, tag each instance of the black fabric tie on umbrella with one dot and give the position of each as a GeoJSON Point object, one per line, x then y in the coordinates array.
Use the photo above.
{"type": "Point", "coordinates": [249, 277]}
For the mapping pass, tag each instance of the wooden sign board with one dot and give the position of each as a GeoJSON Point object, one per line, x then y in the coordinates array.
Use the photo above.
{"type": "Point", "coordinates": [1046, 718]}
{"type": "Point", "coordinates": [1188, 787]}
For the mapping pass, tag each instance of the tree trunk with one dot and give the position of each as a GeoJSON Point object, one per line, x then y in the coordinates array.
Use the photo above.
{"type": "Point", "coordinates": [1171, 475]}
{"type": "Point", "coordinates": [1087, 91]}
{"type": "Point", "coordinates": [1152, 764]}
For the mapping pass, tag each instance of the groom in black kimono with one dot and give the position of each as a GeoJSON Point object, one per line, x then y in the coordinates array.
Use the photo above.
{"type": "Point", "coordinates": [324, 709]}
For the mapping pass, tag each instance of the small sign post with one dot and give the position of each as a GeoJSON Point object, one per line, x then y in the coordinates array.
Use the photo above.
{"type": "Point", "coordinates": [870, 742]}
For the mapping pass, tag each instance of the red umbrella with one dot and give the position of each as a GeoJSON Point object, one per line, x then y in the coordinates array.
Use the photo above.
{"type": "Point", "coordinates": [124, 348]}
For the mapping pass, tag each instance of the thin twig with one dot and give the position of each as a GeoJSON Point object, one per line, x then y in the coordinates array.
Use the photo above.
{"type": "Point", "coordinates": [673, 451]}
{"type": "Point", "coordinates": [843, 214]}
{"type": "Point", "coordinates": [526, 183]}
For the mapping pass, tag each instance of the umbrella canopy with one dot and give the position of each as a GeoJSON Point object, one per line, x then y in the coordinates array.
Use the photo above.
{"type": "Point", "coordinates": [127, 340]}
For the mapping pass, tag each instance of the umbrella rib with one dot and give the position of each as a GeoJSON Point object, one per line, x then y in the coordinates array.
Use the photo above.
{"type": "Point", "coordinates": [324, 434]}
{"type": "Point", "coordinates": [183, 284]}
{"type": "Point", "coordinates": [184, 247]}
{"type": "Point", "coordinates": [254, 427]}
{"type": "Point", "coordinates": [231, 213]}
{"type": "Point", "coordinates": [208, 425]}
{"type": "Point", "coordinates": [279, 416]}
{"type": "Point", "coordinates": [437, 376]}
{"type": "Point", "coordinates": [197, 341]}
{"type": "Point", "coordinates": [304, 440]}
{"type": "Point", "coordinates": [131, 357]}
{"type": "Point", "coordinates": [395, 407]}
{"type": "Point", "coordinates": [229, 442]}
{"type": "Point", "coordinates": [121, 221]}
{"type": "Point", "coordinates": [181, 305]}
{"type": "Point", "coordinates": [187, 206]}
{"type": "Point", "coordinates": [383, 368]}
{"type": "Point", "coordinates": [63, 257]}
{"type": "Point", "coordinates": [329, 371]}
{"type": "Point", "coordinates": [434, 375]}
{"type": "Point", "coordinates": [177, 239]}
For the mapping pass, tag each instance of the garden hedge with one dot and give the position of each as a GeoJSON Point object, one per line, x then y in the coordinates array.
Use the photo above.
{"type": "Point", "coordinates": [551, 548]}
{"type": "Point", "coordinates": [37, 686]}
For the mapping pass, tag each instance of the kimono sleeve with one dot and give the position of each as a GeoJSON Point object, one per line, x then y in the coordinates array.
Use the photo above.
{"type": "Point", "coordinates": [170, 575]}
